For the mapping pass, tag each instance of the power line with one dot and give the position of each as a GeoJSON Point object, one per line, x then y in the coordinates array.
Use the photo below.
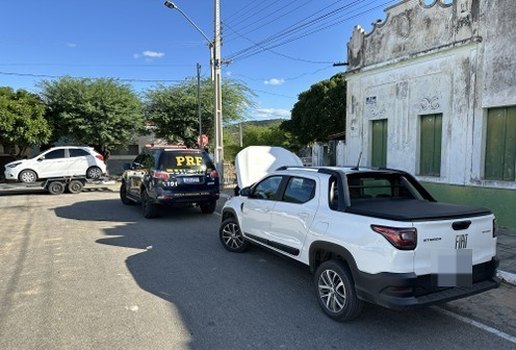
{"type": "Point", "coordinates": [91, 65]}
{"type": "Point", "coordinates": [279, 53]}
{"type": "Point", "coordinates": [298, 26]}
{"type": "Point", "coordinates": [273, 41]}
{"type": "Point", "coordinates": [32, 75]}
{"type": "Point", "coordinates": [246, 77]}
{"type": "Point", "coordinates": [267, 13]}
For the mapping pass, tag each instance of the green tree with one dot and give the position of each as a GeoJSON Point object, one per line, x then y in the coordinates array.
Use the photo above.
{"type": "Point", "coordinates": [255, 135]}
{"type": "Point", "coordinates": [98, 112]}
{"type": "Point", "coordinates": [173, 109]}
{"type": "Point", "coordinates": [22, 121]}
{"type": "Point", "coordinates": [320, 111]}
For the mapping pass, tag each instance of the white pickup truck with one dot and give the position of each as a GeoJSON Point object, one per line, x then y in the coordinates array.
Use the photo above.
{"type": "Point", "coordinates": [368, 236]}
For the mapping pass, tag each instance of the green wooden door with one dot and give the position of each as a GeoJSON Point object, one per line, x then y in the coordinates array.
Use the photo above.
{"type": "Point", "coordinates": [500, 157]}
{"type": "Point", "coordinates": [430, 146]}
{"type": "Point", "coordinates": [379, 143]}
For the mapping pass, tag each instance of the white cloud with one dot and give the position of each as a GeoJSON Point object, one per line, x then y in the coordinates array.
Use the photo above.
{"type": "Point", "coordinates": [149, 55]}
{"type": "Point", "coordinates": [274, 81]}
{"type": "Point", "coordinates": [272, 113]}
{"type": "Point", "coordinates": [71, 45]}
{"type": "Point", "coordinates": [153, 54]}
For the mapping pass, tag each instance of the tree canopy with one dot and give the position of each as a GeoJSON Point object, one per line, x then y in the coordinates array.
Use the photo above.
{"type": "Point", "coordinates": [173, 109]}
{"type": "Point", "coordinates": [22, 121]}
{"type": "Point", "coordinates": [97, 112]}
{"type": "Point", "coordinates": [319, 112]}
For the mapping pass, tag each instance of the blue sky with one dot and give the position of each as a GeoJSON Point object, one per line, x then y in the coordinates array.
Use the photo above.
{"type": "Point", "coordinates": [144, 42]}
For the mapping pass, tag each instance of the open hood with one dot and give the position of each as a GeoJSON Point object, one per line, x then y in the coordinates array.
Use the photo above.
{"type": "Point", "coordinates": [254, 162]}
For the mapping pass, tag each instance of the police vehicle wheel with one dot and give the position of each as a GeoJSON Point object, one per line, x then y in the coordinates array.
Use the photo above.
{"type": "Point", "coordinates": [208, 208]}
{"type": "Point", "coordinates": [123, 195]}
{"type": "Point", "coordinates": [150, 210]}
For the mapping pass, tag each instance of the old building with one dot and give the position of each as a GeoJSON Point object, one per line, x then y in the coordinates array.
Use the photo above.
{"type": "Point", "coordinates": [432, 90]}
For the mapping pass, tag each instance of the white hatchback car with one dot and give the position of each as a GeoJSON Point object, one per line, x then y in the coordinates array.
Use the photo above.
{"type": "Point", "coordinates": [57, 162]}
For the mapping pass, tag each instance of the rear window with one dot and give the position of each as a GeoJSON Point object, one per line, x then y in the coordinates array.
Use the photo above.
{"type": "Point", "coordinates": [185, 162]}
{"type": "Point", "coordinates": [371, 186]}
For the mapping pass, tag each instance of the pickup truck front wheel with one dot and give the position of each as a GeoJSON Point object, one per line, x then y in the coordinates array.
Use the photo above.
{"type": "Point", "coordinates": [336, 292]}
{"type": "Point", "coordinates": [231, 237]}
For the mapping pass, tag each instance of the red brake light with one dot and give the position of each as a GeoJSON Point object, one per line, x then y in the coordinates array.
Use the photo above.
{"type": "Point", "coordinates": [99, 156]}
{"type": "Point", "coordinates": [160, 175]}
{"type": "Point", "coordinates": [214, 174]}
{"type": "Point", "coordinates": [404, 238]}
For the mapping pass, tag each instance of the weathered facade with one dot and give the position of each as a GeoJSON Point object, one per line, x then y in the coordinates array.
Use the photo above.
{"type": "Point", "coordinates": [432, 90]}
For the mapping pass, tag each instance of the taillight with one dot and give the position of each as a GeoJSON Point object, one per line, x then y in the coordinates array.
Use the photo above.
{"type": "Point", "coordinates": [404, 238]}
{"type": "Point", "coordinates": [99, 156]}
{"type": "Point", "coordinates": [494, 228]}
{"type": "Point", "coordinates": [160, 175]}
{"type": "Point", "coordinates": [214, 174]}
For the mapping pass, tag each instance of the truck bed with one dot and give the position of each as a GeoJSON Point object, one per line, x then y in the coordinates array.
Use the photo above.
{"type": "Point", "coordinates": [412, 209]}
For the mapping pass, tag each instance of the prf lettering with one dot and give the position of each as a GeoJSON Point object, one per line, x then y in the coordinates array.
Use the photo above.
{"type": "Point", "coordinates": [180, 160]}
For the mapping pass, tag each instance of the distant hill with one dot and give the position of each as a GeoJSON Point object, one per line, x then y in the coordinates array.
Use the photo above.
{"type": "Point", "coordinates": [268, 122]}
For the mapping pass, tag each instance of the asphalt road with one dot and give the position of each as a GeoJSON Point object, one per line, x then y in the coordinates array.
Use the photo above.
{"type": "Point", "coordinates": [86, 272]}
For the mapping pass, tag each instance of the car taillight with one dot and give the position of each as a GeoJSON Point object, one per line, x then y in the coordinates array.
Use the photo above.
{"type": "Point", "coordinates": [494, 228]}
{"type": "Point", "coordinates": [214, 174]}
{"type": "Point", "coordinates": [160, 175]}
{"type": "Point", "coordinates": [404, 238]}
{"type": "Point", "coordinates": [99, 156]}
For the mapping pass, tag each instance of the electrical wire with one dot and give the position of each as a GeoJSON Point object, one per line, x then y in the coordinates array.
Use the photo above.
{"type": "Point", "coordinates": [300, 25]}
{"type": "Point", "coordinates": [274, 42]}
{"type": "Point", "coordinates": [32, 75]}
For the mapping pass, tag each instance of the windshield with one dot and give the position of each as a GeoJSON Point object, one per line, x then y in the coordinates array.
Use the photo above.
{"type": "Point", "coordinates": [185, 162]}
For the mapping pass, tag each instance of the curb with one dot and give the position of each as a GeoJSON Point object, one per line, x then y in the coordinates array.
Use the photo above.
{"type": "Point", "coordinates": [508, 277]}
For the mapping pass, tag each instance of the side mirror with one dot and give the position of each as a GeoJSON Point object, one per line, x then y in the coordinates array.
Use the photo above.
{"type": "Point", "coordinates": [42, 158]}
{"type": "Point", "coordinates": [126, 166]}
{"type": "Point", "coordinates": [245, 192]}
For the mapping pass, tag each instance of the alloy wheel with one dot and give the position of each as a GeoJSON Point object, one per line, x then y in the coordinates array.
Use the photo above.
{"type": "Point", "coordinates": [332, 290]}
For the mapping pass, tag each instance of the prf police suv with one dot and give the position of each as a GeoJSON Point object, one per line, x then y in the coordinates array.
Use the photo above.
{"type": "Point", "coordinates": [170, 176]}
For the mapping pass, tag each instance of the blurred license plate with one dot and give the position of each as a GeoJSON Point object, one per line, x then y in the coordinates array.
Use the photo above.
{"type": "Point", "coordinates": [191, 180]}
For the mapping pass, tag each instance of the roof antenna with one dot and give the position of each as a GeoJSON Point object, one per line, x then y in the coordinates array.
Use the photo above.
{"type": "Point", "coordinates": [358, 163]}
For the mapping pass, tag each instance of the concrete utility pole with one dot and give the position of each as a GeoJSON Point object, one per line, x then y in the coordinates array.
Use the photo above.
{"type": "Point", "coordinates": [201, 146]}
{"type": "Point", "coordinates": [217, 83]}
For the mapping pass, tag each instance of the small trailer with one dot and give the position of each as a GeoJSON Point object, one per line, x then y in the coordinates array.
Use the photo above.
{"type": "Point", "coordinates": [56, 185]}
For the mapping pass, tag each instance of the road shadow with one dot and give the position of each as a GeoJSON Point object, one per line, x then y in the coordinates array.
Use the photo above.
{"type": "Point", "coordinates": [257, 299]}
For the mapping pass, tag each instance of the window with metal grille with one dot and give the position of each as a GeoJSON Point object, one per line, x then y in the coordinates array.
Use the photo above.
{"type": "Point", "coordinates": [430, 146]}
{"type": "Point", "coordinates": [500, 156]}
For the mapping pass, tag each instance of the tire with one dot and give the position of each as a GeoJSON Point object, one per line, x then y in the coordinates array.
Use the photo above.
{"type": "Point", "coordinates": [123, 195]}
{"type": "Point", "coordinates": [208, 208]}
{"type": "Point", "coordinates": [231, 237]}
{"type": "Point", "coordinates": [150, 210]}
{"type": "Point", "coordinates": [55, 187]}
{"type": "Point", "coordinates": [335, 290]}
{"type": "Point", "coordinates": [94, 172]}
{"type": "Point", "coordinates": [75, 186]}
{"type": "Point", "coordinates": [27, 176]}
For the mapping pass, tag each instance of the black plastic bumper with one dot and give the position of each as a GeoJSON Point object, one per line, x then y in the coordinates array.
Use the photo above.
{"type": "Point", "coordinates": [406, 290]}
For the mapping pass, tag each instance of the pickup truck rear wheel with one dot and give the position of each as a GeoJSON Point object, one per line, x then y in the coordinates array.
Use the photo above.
{"type": "Point", "coordinates": [231, 237]}
{"type": "Point", "coordinates": [336, 291]}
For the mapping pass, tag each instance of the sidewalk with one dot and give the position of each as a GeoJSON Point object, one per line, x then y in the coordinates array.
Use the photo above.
{"type": "Point", "coordinates": [506, 252]}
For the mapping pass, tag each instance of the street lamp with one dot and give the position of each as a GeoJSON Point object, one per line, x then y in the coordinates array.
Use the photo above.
{"type": "Point", "coordinates": [216, 75]}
